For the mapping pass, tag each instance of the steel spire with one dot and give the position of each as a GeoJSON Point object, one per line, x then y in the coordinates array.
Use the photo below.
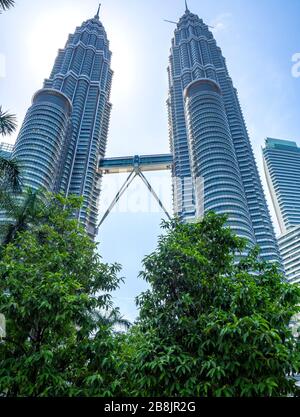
{"type": "Point", "coordinates": [186, 7]}
{"type": "Point", "coordinates": [98, 11]}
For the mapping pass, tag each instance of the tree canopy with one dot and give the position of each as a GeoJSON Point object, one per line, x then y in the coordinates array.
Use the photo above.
{"type": "Point", "coordinates": [55, 295]}
{"type": "Point", "coordinates": [210, 325]}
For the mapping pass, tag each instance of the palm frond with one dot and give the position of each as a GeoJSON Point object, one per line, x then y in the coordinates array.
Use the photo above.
{"type": "Point", "coordinates": [112, 319]}
{"type": "Point", "coordinates": [10, 174]}
{"type": "Point", "coordinates": [6, 4]}
{"type": "Point", "coordinates": [8, 122]}
{"type": "Point", "coordinates": [33, 201]}
{"type": "Point", "coordinates": [8, 203]}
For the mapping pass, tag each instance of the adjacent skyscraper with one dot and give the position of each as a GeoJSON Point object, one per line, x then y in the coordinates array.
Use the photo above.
{"type": "Point", "coordinates": [6, 149]}
{"type": "Point", "coordinates": [214, 166]}
{"type": "Point", "coordinates": [282, 169]}
{"type": "Point", "coordinates": [65, 130]}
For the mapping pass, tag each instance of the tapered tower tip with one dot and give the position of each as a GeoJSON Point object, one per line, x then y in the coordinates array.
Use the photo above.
{"type": "Point", "coordinates": [186, 6]}
{"type": "Point", "coordinates": [98, 11]}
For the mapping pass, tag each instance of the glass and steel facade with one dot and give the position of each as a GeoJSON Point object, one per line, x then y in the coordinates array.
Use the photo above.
{"type": "Point", "coordinates": [68, 140]}
{"type": "Point", "coordinates": [43, 138]}
{"type": "Point", "coordinates": [282, 169]}
{"type": "Point", "coordinates": [6, 149]}
{"type": "Point", "coordinates": [209, 139]}
{"type": "Point", "coordinates": [289, 245]}
{"type": "Point", "coordinates": [213, 157]}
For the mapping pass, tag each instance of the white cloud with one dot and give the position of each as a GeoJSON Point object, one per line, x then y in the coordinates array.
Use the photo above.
{"type": "Point", "coordinates": [221, 22]}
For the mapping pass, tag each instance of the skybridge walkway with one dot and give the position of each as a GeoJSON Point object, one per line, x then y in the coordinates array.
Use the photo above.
{"type": "Point", "coordinates": [135, 165]}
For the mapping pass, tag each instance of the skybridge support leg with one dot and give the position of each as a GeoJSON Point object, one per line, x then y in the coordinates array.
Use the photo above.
{"type": "Point", "coordinates": [132, 175]}
{"type": "Point", "coordinates": [124, 187]}
{"type": "Point", "coordinates": [147, 183]}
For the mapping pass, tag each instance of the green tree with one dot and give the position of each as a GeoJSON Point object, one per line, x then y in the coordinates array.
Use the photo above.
{"type": "Point", "coordinates": [9, 168]}
{"type": "Point", "coordinates": [6, 4]}
{"type": "Point", "coordinates": [208, 325]}
{"type": "Point", "coordinates": [22, 211]}
{"type": "Point", "coordinates": [55, 295]}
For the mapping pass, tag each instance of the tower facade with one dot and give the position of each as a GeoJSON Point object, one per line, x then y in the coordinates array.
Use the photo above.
{"type": "Point", "coordinates": [209, 139]}
{"type": "Point", "coordinates": [282, 169]}
{"type": "Point", "coordinates": [6, 149]}
{"type": "Point", "coordinates": [65, 130]}
{"type": "Point", "coordinates": [43, 140]}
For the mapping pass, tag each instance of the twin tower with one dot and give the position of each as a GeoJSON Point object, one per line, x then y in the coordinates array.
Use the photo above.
{"type": "Point", "coordinates": [63, 137]}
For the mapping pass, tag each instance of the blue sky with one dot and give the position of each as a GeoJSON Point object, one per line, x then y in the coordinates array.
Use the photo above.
{"type": "Point", "coordinates": [258, 39]}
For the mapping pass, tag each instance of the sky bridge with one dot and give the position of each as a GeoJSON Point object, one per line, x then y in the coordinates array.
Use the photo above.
{"type": "Point", "coordinates": [123, 164]}
{"type": "Point", "coordinates": [135, 166]}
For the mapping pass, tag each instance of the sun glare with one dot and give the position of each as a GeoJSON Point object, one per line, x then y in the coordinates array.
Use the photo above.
{"type": "Point", "coordinates": [123, 64]}
{"type": "Point", "coordinates": [49, 32]}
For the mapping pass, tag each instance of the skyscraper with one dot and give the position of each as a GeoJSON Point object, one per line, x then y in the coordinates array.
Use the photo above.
{"type": "Point", "coordinates": [289, 246]}
{"type": "Point", "coordinates": [6, 149]}
{"type": "Point", "coordinates": [282, 169]}
{"type": "Point", "coordinates": [214, 166]}
{"type": "Point", "coordinates": [65, 130]}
